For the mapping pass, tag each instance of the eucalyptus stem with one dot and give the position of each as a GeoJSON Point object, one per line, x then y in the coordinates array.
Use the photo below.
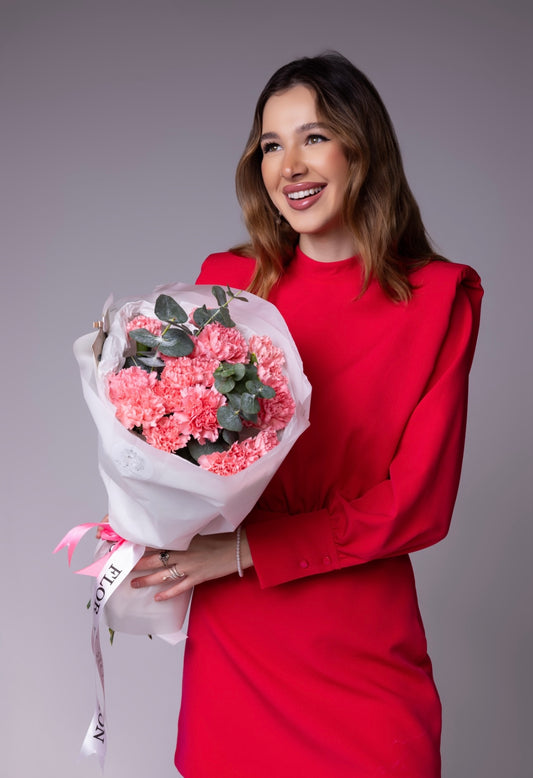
{"type": "Point", "coordinates": [214, 315]}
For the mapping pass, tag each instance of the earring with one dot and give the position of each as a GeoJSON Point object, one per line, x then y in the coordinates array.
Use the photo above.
{"type": "Point", "coordinates": [278, 218]}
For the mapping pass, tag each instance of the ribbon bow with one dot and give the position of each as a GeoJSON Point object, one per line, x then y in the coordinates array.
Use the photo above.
{"type": "Point", "coordinates": [73, 537]}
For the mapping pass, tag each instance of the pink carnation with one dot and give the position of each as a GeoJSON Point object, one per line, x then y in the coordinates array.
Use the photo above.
{"type": "Point", "coordinates": [166, 434]}
{"type": "Point", "coordinates": [133, 392]}
{"type": "Point", "coordinates": [180, 373]}
{"type": "Point", "coordinates": [223, 343]}
{"type": "Point", "coordinates": [170, 395]}
{"type": "Point", "coordinates": [270, 358]}
{"type": "Point", "coordinates": [277, 412]}
{"type": "Point", "coordinates": [187, 371]}
{"type": "Point", "coordinates": [143, 322]}
{"type": "Point", "coordinates": [197, 413]}
{"type": "Point", "coordinates": [240, 454]}
{"type": "Point", "coordinates": [270, 362]}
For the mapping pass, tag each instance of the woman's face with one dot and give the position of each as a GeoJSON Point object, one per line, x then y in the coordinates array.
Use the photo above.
{"type": "Point", "coordinates": [304, 168]}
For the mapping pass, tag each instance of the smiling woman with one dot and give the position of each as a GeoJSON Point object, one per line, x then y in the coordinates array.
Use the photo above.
{"type": "Point", "coordinates": [306, 655]}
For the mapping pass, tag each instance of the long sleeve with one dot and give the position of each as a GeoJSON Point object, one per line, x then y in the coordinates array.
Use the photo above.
{"type": "Point", "coordinates": [412, 507]}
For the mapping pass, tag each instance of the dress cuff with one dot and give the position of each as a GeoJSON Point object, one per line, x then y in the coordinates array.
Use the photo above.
{"type": "Point", "coordinates": [286, 547]}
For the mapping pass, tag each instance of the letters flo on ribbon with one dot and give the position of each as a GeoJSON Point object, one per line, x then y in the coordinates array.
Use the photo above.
{"type": "Point", "coordinates": [119, 564]}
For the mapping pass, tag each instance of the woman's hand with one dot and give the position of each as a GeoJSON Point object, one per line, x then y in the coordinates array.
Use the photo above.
{"type": "Point", "coordinates": [208, 557]}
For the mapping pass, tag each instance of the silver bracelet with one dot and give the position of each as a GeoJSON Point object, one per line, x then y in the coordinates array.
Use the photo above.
{"type": "Point", "coordinates": [238, 552]}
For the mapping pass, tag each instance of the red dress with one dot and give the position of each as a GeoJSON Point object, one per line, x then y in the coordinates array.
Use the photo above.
{"type": "Point", "coordinates": [315, 663]}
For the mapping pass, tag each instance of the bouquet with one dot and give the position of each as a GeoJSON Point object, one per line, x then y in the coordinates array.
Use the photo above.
{"type": "Point", "coordinates": [195, 412]}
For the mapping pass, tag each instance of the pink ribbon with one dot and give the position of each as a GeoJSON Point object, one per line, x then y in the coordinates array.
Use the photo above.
{"type": "Point", "coordinates": [73, 537]}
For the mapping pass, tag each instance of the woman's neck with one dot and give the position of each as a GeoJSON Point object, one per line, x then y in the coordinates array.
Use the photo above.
{"type": "Point", "coordinates": [327, 247]}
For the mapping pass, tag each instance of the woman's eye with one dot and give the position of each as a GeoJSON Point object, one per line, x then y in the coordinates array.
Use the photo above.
{"type": "Point", "coordinates": [312, 139]}
{"type": "Point", "coordinates": [267, 147]}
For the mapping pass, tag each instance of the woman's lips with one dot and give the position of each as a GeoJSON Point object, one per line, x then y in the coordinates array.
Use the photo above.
{"type": "Point", "coordinates": [302, 196]}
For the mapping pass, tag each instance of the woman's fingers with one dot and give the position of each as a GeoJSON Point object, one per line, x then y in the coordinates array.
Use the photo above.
{"type": "Point", "coordinates": [174, 591]}
{"type": "Point", "coordinates": [177, 582]}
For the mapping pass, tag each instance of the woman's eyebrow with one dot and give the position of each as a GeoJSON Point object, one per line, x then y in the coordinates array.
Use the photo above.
{"type": "Point", "coordinates": [269, 136]}
{"type": "Point", "coordinates": [302, 128]}
{"type": "Point", "coordinates": [312, 126]}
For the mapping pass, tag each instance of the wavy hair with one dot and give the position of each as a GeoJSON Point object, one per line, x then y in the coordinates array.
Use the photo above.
{"type": "Point", "coordinates": [379, 207]}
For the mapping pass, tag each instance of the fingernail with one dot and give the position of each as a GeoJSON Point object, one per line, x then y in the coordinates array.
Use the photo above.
{"type": "Point", "coordinates": [135, 583]}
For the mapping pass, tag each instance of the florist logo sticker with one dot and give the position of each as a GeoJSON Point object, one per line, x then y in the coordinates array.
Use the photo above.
{"type": "Point", "coordinates": [130, 462]}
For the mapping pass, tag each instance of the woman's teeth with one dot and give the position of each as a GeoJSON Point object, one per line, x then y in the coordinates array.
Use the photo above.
{"type": "Point", "coordinates": [304, 193]}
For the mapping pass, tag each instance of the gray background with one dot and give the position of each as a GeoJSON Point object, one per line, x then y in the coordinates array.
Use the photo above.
{"type": "Point", "coordinates": [121, 124]}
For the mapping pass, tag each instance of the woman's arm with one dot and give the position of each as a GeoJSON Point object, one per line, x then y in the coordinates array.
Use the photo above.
{"type": "Point", "coordinates": [409, 510]}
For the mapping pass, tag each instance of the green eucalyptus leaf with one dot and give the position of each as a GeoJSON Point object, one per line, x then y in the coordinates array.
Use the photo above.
{"type": "Point", "coordinates": [249, 405]}
{"type": "Point", "coordinates": [228, 419]}
{"type": "Point", "coordinates": [201, 316]}
{"type": "Point", "coordinates": [251, 370]}
{"type": "Point", "coordinates": [222, 317]}
{"type": "Point", "coordinates": [254, 386]}
{"type": "Point", "coordinates": [167, 309]}
{"type": "Point", "coordinates": [230, 437]}
{"type": "Point", "coordinates": [225, 370]}
{"type": "Point", "coordinates": [224, 385]}
{"type": "Point", "coordinates": [267, 392]}
{"type": "Point", "coordinates": [219, 294]}
{"type": "Point", "coordinates": [176, 343]}
{"type": "Point", "coordinates": [260, 389]}
{"type": "Point", "coordinates": [171, 335]}
{"type": "Point", "coordinates": [234, 401]}
{"type": "Point", "coordinates": [235, 296]}
{"type": "Point", "coordinates": [239, 371]}
{"type": "Point", "coordinates": [145, 337]}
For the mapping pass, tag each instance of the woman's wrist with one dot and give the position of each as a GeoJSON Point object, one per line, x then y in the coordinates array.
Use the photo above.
{"type": "Point", "coordinates": [242, 551]}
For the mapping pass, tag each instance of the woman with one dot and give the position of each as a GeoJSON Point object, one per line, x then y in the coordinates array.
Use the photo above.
{"type": "Point", "coordinates": [314, 663]}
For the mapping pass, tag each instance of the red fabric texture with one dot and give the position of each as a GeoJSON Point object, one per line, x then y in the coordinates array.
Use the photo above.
{"type": "Point", "coordinates": [315, 663]}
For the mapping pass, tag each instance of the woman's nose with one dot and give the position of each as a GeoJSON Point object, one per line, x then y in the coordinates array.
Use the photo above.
{"type": "Point", "coordinates": [293, 164]}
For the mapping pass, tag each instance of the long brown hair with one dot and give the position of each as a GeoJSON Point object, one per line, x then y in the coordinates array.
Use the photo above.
{"type": "Point", "coordinates": [379, 208]}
